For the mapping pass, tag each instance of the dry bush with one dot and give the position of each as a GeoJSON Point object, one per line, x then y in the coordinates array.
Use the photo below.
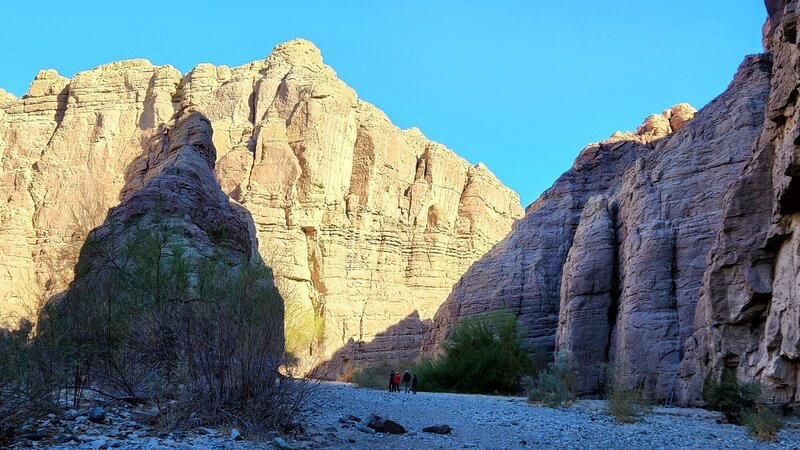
{"type": "Point", "coordinates": [28, 380]}
{"type": "Point", "coordinates": [200, 336]}
{"type": "Point", "coordinates": [763, 423]}
{"type": "Point", "coordinates": [554, 386]}
{"type": "Point", "coordinates": [624, 403]}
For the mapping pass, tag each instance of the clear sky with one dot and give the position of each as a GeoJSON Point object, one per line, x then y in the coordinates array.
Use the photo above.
{"type": "Point", "coordinates": [519, 85]}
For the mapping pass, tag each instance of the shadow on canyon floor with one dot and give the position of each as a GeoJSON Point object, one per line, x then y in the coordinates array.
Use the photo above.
{"type": "Point", "coordinates": [398, 343]}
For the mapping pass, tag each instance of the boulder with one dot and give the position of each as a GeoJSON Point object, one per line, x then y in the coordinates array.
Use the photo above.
{"type": "Point", "coordinates": [382, 425]}
{"type": "Point", "coordinates": [438, 429]}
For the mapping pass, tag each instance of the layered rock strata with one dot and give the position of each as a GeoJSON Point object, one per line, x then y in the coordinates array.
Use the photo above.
{"type": "Point", "coordinates": [608, 263]}
{"type": "Point", "coordinates": [366, 225]}
{"type": "Point", "coordinates": [748, 317]}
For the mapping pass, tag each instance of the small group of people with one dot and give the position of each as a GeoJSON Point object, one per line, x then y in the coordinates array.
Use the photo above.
{"type": "Point", "coordinates": [409, 382]}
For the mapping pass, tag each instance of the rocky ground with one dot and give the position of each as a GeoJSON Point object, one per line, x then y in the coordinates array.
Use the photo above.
{"type": "Point", "coordinates": [338, 415]}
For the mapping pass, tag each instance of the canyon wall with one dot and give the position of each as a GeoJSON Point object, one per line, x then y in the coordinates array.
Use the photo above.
{"type": "Point", "coordinates": [748, 317]}
{"type": "Point", "coordinates": [607, 264]}
{"type": "Point", "coordinates": [366, 226]}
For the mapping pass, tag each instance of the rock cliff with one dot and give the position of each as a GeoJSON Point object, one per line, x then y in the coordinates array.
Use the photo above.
{"type": "Point", "coordinates": [608, 263]}
{"type": "Point", "coordinates": [366, 225]}
{"type": "Point", "coordinates": [747, 318]}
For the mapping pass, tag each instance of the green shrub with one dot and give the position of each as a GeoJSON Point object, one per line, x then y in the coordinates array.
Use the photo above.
{"type": "Point", "coordinates": [482, 355]}
{"type": "Point", "coordinates": [763, 423]}
{"type": "Point", "coordinates": [729, 396]}
{"type": "Point", "coordinates": [555, 385]}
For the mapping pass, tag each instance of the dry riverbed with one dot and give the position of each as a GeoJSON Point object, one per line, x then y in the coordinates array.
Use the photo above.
{"type": "Point", "coordinates": [477, 421]}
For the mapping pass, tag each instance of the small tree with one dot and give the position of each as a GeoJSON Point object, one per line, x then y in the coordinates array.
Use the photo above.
{"type": "Point", "coordinates": [482, 355]}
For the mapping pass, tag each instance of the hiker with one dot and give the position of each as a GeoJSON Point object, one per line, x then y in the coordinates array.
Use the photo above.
{"type": "Point", "coordinates": [397, 381]}
{"type": "Point", "coordinates": [414, 384]}
{"type": "Point", "coordinates": [391, 381]}
{"type": "Point", "coordinates": [407, 381]}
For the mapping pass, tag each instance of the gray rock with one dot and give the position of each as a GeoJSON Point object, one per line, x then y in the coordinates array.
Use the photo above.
{"type": "Point", "coordinates": [97, 414]}
{"type": "Point", "coordinates": [364, 429]}
{"type": "Point", "coordinates": [619, 282]}
{"type": "Point", "coordinates": [748, 317]}
{"type": "Point", "coordinates": [438, 429]}
{"type": "Point", "coordinates": [282, 444]}
{"type": "Point", "coordinates": [236, 435]}
{"type": "Point", "coordinates": [383, 425]}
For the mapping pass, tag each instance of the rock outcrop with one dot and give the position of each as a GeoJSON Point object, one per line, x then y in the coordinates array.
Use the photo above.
{"type": "Point", "coordinates": [608, 263]}
{"type": "Point", "coordinates": [748, 317]}
{"type": "Point", "coordinates": [366, 225]}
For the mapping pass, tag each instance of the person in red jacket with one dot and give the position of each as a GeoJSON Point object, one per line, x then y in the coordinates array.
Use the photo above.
{"type": "Point", "coordinates": [397, 381]}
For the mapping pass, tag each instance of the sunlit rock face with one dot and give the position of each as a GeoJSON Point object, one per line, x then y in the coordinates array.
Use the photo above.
{"type": "Point", "coordinates": [748, 317]}
{"type": "Point", "coordinates": [365, 225]}
{"type": "Point", "coordinates": [608, 263]}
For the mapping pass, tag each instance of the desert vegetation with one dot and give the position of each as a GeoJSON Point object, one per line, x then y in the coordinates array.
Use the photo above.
{"type": "Point", "coordinates": [152, 321]}
{"type": "Point", "coordinates": [740, 403]}
{"type": "Point", "coordinates": [554, 386]}
{"type": "Point", "coordinates": [625, 403]}
{"type": "Point", "coordinates": [482, 355]}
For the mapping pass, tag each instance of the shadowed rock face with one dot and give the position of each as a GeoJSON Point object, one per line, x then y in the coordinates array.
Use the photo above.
{"type": "Point", "coordinates": [172, 186]}
{"type": "Point", "coordinates": [363, 223]}
{"type": "Point", "coordinates": [169, 269]}
{"type": "Point", "coordinates": [608, 263]}
{"type": "Point", "coordinates": [748, 317]}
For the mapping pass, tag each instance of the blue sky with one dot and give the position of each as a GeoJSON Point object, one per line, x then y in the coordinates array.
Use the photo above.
{"type": "Point", "coordinates": [519, 85]}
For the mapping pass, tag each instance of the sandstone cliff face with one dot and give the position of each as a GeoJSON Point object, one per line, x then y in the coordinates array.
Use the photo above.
{"type": "Point", "coordinates": [608, 263]}
{"type": "Point", "coordinates": [366, 225]}
{"type": "Point", "coordinates": [174, 198]}
{"type": "Point", "coordinates": [747, 318]}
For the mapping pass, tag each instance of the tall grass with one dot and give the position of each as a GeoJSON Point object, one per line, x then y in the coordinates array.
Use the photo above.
{"type": "Point", "coordinates": [625, 403]}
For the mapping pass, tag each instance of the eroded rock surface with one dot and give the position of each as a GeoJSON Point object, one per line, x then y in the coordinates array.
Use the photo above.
{"type": "Point", "coordinates": [608, 263]}
{"type": "Point", "coordinates": [366, 225]}
{"type": "Point", "coordinates": [748, 317]}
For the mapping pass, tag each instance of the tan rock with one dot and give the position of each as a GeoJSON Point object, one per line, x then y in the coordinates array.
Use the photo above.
{"type": "Point", "coordinates": [365, 224]}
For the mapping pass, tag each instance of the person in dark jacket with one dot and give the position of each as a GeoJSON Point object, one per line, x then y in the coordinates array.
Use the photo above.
{"type": "Point", "coordinates": [391, 381]}
{"type": "Point", "coordinates": [414, 384]}
{"type": "Point", "coordinates": [407, 381]}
